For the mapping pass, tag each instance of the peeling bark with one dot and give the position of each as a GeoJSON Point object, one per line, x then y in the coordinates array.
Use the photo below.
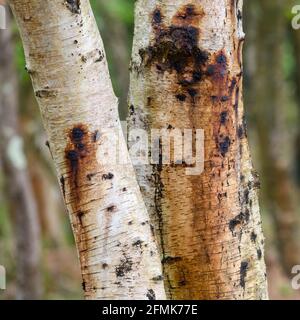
{"type": "Point", "coordinates": [66, 60]}
{"type": "Point", "coordinates": [186, 72]}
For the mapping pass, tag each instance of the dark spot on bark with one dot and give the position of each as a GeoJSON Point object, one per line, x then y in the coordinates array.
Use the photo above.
{"type": "Point", "coordinates": [210, 70]}
{"type": "Point", "coordinates": [176, 48]}
{"type": "Point", "coordinates": [104, 266]}
{"type": "Point", "coordinates": [73, 6]}
{"type": "Point", "coordinates": [47, 143]}
{"type": "Point", "coordinates": [218, 70]}
{"type": "Point", "coordinates": [181, 97]}
{"type": "Point", "coordinates": [80, 215]}
{"type": "Point", "coordinates": [239, 15]}
{"type": "Point", "coordinates": [243, 273]}
{"type": "Point", "coordinates": [188, 14]}
{"type": "Point", "coordinates": [75, 41]}
{"type": "Point", "coordinates": [192, 92]}
{"type": "Point", "coordinates": [124, 189]}
{"type": "Point", "coordinates": [259, 254]}
{"type": "Point", "coordinates": [77, 134]}
{"type": "Point", "coordinates": [157, 16]}
{"type": "Point", "coordinates": [223, 117]}
{"type": "Point", "coordinates": [111, 208]}
{"type": "Point", "coordinates": [124, 267]}
{"type": "Point", "coordinates": [63, 185]}
{"type": "Point", "coordinates": [46, 93]}
{"type": "Point", "coordinates": [224, 98]}
{"type": "Point", "coordinates": [245, 198]}
{"type": "Point", "coordinates": [151, 295]}
{"type": "Point", "coordinates": [224, 146]}
{"type": "Point", "coordinates": [170, 127]}
{"type": "Point", "coordinates": [240, 132]}
{"type": "Point", "coordinates": [237, 97]}
{"type": "Point", "coordinates": [108, 176]}
{"type": "Point", "coordinates": [96, 136]}
{"type": "Point", "coordinates": [239, 220]}
{"type": "Point", "coordinates": [197, 76]}
{"type": "Point", "coordinates": [158, 278]}
{"type": "Point", "coordinates": [79, 151]}
{"type": "Point", "coordinates": [170, 260]}
{"type": "Point", "coordinates": [221, 59]}
{"type": "Point", "coordinates": [100, 56]}
{"type": "Point", "coordinates": [29, 71]}
{"type": "Point", "coordinates": [214, 99]}
{"type": "Point", "coordinates": [245, 126]}
{"type": "Point", "coordinates": [253, 236]}
{"type": "Point", "coordinates": [137, 243]}
{"type": "Point", "coordinates": [232, 86]}
{"type": "Point", "coordinates": [90, 176]}
{"type": "Point", "coordinates": [83, 285]}
{"type": "Point", "coordinates": [73, 158]}
{"type": "Point", "coordinates": [131, 110]}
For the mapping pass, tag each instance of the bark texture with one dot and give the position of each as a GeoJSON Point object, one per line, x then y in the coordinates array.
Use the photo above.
{"type": "Point", "coordinates": [18, 189]}
{"type": "Point", "coordinates": [66, 60]}
{"type": "Point", "coordinates": [186, 72]}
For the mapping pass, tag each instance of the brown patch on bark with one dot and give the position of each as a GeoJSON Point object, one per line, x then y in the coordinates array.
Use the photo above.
{"type": "Point", "coordinates": [80, 157]}
{"type": "Point", "coordinates": [175, 49]}
{"type": "Point", "coordinates": [188, 15]}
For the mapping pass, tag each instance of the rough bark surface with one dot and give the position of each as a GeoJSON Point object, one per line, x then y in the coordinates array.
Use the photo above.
{"type": "Point", "coordinates": [66, 60]}
{"type": "Point", "coordinates": [21, 202]}
{"type": "Point", "coordinates": [186, 72]}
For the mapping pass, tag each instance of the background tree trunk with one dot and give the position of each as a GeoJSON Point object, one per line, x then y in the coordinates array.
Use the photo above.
{"type": "Point", "coordinates": [296, 46]}
{"type": "Point", "coordinates": [187, 73]}
{"type": "Point", "coordinates": [66, 60]}
{"type": "Point", "coordinates": [18, 187]}
{"type": "Point", "coordinates": [268, 101]}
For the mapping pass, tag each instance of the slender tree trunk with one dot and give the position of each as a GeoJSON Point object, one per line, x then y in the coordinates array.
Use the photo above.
{"type": "Point", "coordinates": [269, 102]}
{"type": "Point", "coordinates": [21, 202]}
{"type": "Point", "coordinates": [48, 202]}
{"type": "Point", "coordinates": [296, 47]}
{"type": "Point", "coordinates": [187, 74]}
{"type": "Point", "coordinates": [66, 60]}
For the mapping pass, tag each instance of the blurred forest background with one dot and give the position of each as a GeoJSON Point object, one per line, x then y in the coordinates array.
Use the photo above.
{"type": "Point", "coordinates": [34, 227]}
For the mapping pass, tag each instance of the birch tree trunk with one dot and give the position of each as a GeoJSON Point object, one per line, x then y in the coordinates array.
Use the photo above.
{"type": "Point", "coordinates": [66, 60]}
{"type": "Point", "coordinates": [186, 73]}
{"type": "Point", "coordinates": [21, 202]}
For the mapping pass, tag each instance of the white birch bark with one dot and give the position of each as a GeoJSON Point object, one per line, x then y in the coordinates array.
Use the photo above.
{"type": "Point", "coordinates": [186, 73]}
{"type": "Point", "coordinates": [66, 60]}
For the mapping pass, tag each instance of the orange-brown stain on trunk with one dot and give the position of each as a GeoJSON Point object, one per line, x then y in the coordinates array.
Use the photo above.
{"type": "Point", "coordinates": [204, 85]}
{"type": "Point", "coordinates": [81, 161]}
